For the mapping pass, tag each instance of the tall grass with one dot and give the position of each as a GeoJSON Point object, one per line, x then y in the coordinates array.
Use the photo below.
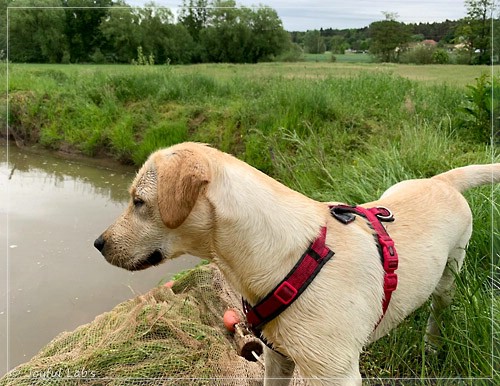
{"type": "Point", "coordinates": [123, 111]}
{"type": "Point", "coordinates": [342, 138]}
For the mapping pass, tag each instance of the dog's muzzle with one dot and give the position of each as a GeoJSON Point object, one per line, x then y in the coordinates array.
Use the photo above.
{"type": "Point", "coordinates": [155, 258]}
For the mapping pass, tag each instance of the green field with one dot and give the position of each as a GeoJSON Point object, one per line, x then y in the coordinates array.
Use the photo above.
{"type": "Point", "coordinates": [340, 58]}
{"type": "Point", "coordinates": [334, 131]}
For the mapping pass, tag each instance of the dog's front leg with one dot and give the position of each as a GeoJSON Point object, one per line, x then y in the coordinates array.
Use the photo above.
{"type": "Point", "coordinates": [279, 368]}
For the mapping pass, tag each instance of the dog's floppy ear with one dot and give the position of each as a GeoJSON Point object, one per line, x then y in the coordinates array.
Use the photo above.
{"type": "Point", "coordinates": [181, 176]}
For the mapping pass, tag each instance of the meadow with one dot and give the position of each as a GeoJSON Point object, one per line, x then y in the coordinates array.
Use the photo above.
{"type": "Point", "coordinates": [333, 131]}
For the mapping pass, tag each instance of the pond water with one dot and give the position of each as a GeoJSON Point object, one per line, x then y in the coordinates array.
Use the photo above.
{"type": "Point", "coordinates": [52, 279]}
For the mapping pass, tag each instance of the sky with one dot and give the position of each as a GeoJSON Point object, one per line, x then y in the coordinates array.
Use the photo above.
{"type": "Point", "coordinates": [303, 15]}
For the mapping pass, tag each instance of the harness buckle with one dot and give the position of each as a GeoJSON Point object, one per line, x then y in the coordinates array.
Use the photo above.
{"type": "Point", "coordinates": [390, 264]}
{"type": "Point", "coordinates": [390, 282]}
{"type": "Point", "coordinates": [344, 214]}
{"type": "Point", "coordinates": [390, 255]}
{"type": "Point", "coordinates": [285, 293]}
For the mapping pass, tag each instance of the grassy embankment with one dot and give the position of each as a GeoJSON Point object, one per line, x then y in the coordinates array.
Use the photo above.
{"type": "Point", "coordinates": [342, 132]}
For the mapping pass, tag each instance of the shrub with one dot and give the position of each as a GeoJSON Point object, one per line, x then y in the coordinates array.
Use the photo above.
{"type": "Point", "coordinates": [440, 56]}
{"type": "Point", "coordinates": [294, 54]}
{"type": "Point", "coordinates": [461, 57]}
{"type": "Point", "coordinates": [418, 55]}
{"type": "Point", "coordinates": [143, 60]}
{"type": "Point", "coordinates": [481, 105]}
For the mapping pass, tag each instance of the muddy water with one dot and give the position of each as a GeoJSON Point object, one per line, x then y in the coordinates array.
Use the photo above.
{"type": "Point", "coordinates": [51, 277]}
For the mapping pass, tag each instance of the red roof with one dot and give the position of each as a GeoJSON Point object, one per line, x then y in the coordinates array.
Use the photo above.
{"type": "Point", "coordinates": [429, 42]}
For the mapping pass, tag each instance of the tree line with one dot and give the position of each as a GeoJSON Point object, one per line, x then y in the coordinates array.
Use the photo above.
{"type": "Point", "coordinates": [111, 31]}
{"type": "Point", "coordinates": [107, 31]}
{"type": "Point", "coordinates": [360, 39]}
{"type": "Point", "coordinates": [474, 38]}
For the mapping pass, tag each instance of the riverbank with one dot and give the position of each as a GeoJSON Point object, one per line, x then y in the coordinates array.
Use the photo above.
{"type": "Point", "coordinates": [126, 112]}
{"type": "Point", "coordinates": [332, 132]}
{"type": "Point", "coordinates": [102, 162]}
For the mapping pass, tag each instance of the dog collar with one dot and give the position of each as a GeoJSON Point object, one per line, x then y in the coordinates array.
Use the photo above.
{"type": "Point", "coordinates": [290, 288]}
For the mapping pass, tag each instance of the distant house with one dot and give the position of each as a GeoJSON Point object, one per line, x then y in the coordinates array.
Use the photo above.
{"type": "Point", "coordinates": [460, 46]}
{"type": "Point", "coordinates": [429, 43]}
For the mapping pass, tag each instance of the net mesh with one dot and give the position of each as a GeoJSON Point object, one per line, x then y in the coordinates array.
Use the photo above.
{"type": "Point", "coordinates": [164, 337]}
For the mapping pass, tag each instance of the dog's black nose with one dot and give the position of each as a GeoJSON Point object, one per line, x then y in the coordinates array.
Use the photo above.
{"type": "Point", "coordinates": [99, 243]}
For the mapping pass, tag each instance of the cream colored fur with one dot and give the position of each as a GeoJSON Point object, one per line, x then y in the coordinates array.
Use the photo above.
{"type": "Point", "coordinates": [194, 199]}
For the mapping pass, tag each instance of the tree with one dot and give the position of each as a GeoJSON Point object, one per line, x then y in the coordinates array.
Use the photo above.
{"type": "Point", "coordinates": [177, 45]}
{"type": "Point", "coordinates": [90, 30]}
{"type": "Point", "coordinates": [496, 40]}
{"type": "Point", "coordinates": [153, 28]}
{"type": "Point", "coordinates": [314, 43]}
{"type": "Point", "coordinates": [120, 30]}
{"type": "Point", "coordinates": [228, 34]}
{"type": "Point", "coordinates": [241, 35]}
{"type": "Point", "coordinates": [268, 36]}
{"type": "Point", "coordinates": [26, 43]}
{"type": "Point", "coordinates": [194, 16]}
{"type": "Point", "coordinates": [3, 28]}
{"type": "Point", "coordinates": [388, 39]}
{"type": "Point", "coordinates": [338, 45]}
{"type": "Point", "coordinates": [475, 29]}
{"type": "Point", "coordinates": [82, 27]}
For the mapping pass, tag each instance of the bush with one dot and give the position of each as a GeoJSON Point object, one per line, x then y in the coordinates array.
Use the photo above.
{"type": "Point", "coordinates": [461, 57]}
{"type": "Point", "coordinates": [425, 55]}
{"type": "Point", "coordinates": [440, 56]}
{"type": "Point", "coordinates": [294, 54]}
{"type": "Point", "coordinates": [480, 106]}
{"type": "Point", "coordinates": [143, 60]}
{"type": "Point", "coordinates": [418, 55]}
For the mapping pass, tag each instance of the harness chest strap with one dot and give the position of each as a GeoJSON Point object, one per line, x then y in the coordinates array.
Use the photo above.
{"type": "Point", "coordinates": [290, 288]}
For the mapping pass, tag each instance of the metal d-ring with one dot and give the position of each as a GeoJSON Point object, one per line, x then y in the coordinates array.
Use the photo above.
{"type": "Point", "coordinates": [389, 217]}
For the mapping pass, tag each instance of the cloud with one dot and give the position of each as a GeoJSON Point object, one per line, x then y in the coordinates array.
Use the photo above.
{"type": "Point", "coordinates": [302, 15]}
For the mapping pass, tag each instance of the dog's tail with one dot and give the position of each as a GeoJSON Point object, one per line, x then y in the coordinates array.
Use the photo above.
{"type": "Point", "coordinates": [471, 176]}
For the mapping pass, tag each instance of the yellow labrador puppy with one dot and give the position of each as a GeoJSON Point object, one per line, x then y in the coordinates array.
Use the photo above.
{"type": "Point", "coordinates": [191, 198]}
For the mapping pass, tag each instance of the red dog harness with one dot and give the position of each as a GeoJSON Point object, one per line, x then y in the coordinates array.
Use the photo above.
{"type": "Point", "coordinates": [315, 257]}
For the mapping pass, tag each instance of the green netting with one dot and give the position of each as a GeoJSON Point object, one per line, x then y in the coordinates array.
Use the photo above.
{"type": "Point", "coordinates": [164, 337]}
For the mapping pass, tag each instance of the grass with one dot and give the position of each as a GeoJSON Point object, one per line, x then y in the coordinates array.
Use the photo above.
{"type": "Point", "coordinates": [340, 58]}
{"type": "Point", "coordinates": [334, 131]}
{"type": "Point", "coordinates": [128, 111]}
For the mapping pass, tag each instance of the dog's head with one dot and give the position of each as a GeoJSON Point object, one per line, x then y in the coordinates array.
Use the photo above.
{"type": "Point", "coordinates": [168, 213]}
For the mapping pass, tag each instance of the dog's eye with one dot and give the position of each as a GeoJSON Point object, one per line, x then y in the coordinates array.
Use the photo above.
{"type": "Point", "coordinates": [138, 202]}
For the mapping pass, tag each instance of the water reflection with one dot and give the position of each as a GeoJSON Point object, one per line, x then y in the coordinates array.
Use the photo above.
{"type": "Point", "coordinates": [52, 209]}
{"type": "Point", "coordinates": [56, 173]}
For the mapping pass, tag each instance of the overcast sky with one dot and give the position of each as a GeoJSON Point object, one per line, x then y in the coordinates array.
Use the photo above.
{"type": "Point", "coordinates": [302, 15]}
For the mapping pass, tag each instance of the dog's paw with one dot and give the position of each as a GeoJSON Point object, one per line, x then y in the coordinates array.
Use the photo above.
{"type": "Point", "coordinates": [431, 349]}
{"type": "Point", "coordinates": [432, 344]}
